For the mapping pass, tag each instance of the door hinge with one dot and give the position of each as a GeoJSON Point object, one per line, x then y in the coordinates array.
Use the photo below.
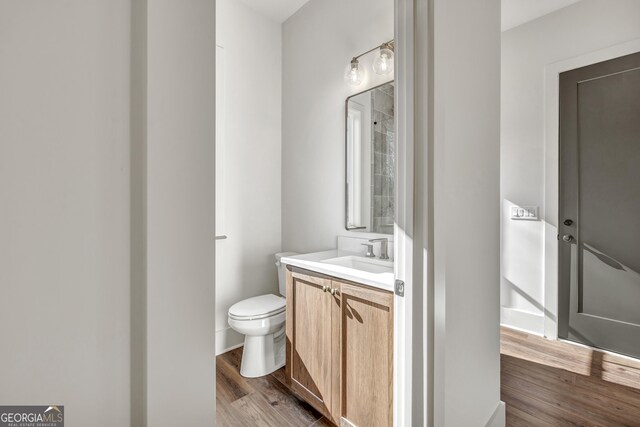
{"type": "Point", "coordinates": [399, 289]}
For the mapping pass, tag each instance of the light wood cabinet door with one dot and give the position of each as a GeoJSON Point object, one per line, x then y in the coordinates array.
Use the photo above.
{"type": "Point", "coordinates": [364, 396]}
{"type": "Point", "coordinates": [309, 339]}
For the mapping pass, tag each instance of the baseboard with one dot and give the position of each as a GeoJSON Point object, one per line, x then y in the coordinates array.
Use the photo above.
{"type": "Point", "coordinates": [524, 320]}
{"type": "Point", "coordinates": [499, 417]}
{"type": "Point", "coordinates": [227, 339]}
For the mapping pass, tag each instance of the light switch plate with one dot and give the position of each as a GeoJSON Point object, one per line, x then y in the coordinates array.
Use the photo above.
{"type": "Point", "coordinates": [524, 212]}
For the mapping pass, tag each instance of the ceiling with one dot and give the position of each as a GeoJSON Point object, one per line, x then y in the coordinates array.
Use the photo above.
{"type": "Point", "coordinates": [276, 10]}
{"type": "Point", "coordinates": [514, 12]}
{"type": "Point", "coordinates": [517, 12]}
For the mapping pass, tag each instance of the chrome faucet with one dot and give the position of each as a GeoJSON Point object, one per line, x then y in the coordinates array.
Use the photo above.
{"type": "Point", "coordinates": [369, 253]}
{"type": "Point", "coordinates": [384, 243]}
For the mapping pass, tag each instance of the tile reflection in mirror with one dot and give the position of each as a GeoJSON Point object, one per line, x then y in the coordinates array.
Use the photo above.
{"type": "Point", "coordinates": [371, 153]}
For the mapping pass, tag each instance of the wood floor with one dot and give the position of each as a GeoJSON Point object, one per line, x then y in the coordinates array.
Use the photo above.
{"type": "Point", "coordinates": [544, 383]}
{"type": "Point", "coordinates": [259, 402]}
{"type": "Point", "coordinates": [556, 383]}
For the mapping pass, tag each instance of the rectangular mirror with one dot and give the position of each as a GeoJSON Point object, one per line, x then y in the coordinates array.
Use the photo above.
{"type": "Point", "coordinates": [371, 153]}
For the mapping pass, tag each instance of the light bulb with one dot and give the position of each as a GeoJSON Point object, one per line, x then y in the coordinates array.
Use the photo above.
{"type": "Point", "coordinates": [383, 64]}
{"type": "Point", "coordinates": [354, 73]}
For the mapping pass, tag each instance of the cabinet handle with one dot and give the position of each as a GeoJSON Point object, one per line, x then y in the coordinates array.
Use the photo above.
{"type": "Point", "coordinates": [334, 291]}
{"type": "Point", "coordinates": [326, 288]}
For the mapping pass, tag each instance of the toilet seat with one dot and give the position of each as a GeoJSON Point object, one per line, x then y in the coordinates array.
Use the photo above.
{"type": "Point", "coordinates": [259, 307]}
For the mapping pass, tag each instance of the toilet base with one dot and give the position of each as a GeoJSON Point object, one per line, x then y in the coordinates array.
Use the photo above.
{"type": "Point", "coordinates": [263, 354]}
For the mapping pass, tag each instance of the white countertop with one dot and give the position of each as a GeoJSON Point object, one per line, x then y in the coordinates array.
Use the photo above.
{"type": "Point", "coordinates": [314, 262]}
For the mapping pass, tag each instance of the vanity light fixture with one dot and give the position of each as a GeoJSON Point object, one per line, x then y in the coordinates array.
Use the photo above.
{"type": "Point", "coordinates": [383, 64]}
{"type": "Point", "coordinates": [354, 74]}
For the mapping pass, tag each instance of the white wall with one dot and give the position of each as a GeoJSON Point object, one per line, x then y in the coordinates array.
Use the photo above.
{"type": "Point", "coordinates": [106, 245]}
{"type": "Point", "coordinates": [579, 29]}
{"type": "Point", "coordinates": [318, 42]}
{"type": "Point", "coordinates": [64, 216]}
{"type": "Point", "coordinates": [466, 167]}
{"type": "Point", "coordinates": [250, 202]}
{"type": "Point", "coordinates": [180, 165]}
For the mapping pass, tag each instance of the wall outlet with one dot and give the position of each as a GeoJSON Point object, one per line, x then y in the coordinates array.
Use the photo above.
{"type": "Point", "coordinates": [524, 212]}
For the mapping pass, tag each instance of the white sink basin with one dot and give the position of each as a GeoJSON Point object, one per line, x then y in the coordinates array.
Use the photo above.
{"type": "Point", "coordinates": [370, 265]}
{"type": "Point", "coordinates": [347, 265]}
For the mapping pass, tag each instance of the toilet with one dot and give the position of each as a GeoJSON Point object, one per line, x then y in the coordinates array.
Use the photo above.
{"type": "Point", "coordinates": [261, 320]}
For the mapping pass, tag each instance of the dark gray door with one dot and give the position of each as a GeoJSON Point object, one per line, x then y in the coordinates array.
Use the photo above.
{"type": "Point", "coordinates": [600, 205]}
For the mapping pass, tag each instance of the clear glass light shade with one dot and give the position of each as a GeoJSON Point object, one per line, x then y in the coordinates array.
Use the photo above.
{"type": "Point", "coordinates": [354, 73]}
{"type": "Point", "coordinates": [383, 64]}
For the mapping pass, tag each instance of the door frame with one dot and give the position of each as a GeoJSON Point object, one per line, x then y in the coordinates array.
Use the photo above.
{"type": "Point", "coordinates": [403, 224]}
{"type": "Point", "coordinates": [412, 379]}
{"type": "Point", "coordinates": [552, 167]}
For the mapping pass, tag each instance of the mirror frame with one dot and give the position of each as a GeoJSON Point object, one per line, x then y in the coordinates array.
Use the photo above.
{"type": "Point", "coordinates": [362, 229]}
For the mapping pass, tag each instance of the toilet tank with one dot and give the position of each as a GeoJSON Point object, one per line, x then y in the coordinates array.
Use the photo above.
{"type": "Point", "coordinates": [282, 277]}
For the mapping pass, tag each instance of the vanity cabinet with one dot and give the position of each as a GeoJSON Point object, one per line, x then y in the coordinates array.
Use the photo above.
{"type": "Point", "coordinates": [310, 339]}
{"type": "Point", "coordinates": [340, 348]}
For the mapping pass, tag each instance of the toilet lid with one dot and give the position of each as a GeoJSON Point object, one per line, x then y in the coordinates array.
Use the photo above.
{"type": "Point", "coordinates": [257, 307]}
